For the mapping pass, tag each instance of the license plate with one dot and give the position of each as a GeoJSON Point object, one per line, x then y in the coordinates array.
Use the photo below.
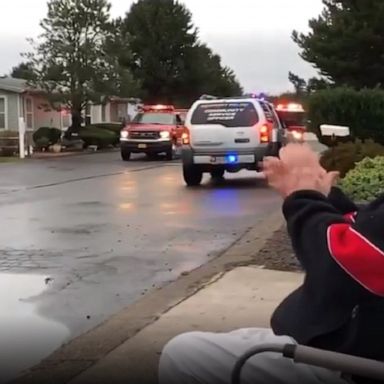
{"type": "Point", "coordinates": [231, 159]}
{"type": "Point", "coordinates": [141, 146]}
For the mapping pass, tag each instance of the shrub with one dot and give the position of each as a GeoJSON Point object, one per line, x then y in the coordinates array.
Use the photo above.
{"type": "Point", "coordinates": [74, 144]}
{"type": "Point", "coordinates": [52, 134]}
{"type": "Point", "coordinates": [102, 138]}
{"type": "Point", "coordinates": [344, 156]}
{"type": "Point", "coordinates": [42, 143]}
{"type": "Point", "coordinates": [366, 181]}
{"type": "Point", "coordinates": [362, 111]}
{"type": "Point", "coordinates": [113, 127]}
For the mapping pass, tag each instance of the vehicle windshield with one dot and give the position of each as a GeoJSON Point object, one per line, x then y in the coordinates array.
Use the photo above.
{"type": "Point", "coordinates": [228, 114]}
{"type": "Point", "coordinates": [160, 118]}
{"type": "Point", "coordinates": [290, 119]}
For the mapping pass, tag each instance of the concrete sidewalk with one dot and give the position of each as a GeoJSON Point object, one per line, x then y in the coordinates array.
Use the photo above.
{"type": "Point", "coordinates": [243, 297]}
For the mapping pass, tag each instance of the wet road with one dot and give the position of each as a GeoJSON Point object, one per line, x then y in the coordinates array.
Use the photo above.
{"type": "Point", "coordinates": [83, 237]}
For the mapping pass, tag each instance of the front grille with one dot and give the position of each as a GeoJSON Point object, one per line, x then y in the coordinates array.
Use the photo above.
{"type": "Point", "coordinates": [144, 135]}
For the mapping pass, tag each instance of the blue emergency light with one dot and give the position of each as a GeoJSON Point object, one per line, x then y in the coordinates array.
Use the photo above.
{"type": "Point", "coordinates": [231, 159]}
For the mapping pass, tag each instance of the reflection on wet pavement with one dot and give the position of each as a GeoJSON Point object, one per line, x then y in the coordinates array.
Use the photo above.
{"type": "Point", "coordinates": [25, 337]}
{"type": "Point", "coordinates": [107, 240]}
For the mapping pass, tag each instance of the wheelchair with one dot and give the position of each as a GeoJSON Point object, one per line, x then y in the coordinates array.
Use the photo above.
{"type": "Point", "coordinates": [349, 365]}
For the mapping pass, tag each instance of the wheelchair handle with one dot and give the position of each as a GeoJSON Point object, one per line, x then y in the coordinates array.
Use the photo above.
{"type": "Point", "coordinates": [311, 356]}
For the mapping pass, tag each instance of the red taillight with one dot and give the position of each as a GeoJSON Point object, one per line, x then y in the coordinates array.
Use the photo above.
{"type": "Point", "coordinates": [185, 138]}
{"type": "Point", "coordinates": [265, 134]}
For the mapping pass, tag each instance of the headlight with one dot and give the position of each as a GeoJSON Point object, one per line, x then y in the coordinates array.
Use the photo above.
{"type": "Point", "coordinates": [124, 134]}
{"type": "Point", "coordinates": [164, 134]}
{"type": "Point", "coordinates": [297, 135]}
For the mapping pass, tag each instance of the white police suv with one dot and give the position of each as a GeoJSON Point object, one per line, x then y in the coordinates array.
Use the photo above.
{"type": "Point", "coordinates": [228, 135]}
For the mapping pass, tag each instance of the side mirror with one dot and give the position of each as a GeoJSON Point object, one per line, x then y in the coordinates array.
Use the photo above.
{"type": "Point", "coordinates": [334, 130]}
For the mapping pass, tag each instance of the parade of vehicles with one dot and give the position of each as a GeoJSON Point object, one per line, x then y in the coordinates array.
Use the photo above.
{"type": "Point", "coordinates": [228, 135]}
{"type": "Point", "coordinates": [156, 129]}
{"type": "Point", "coordinates": [216, 135]}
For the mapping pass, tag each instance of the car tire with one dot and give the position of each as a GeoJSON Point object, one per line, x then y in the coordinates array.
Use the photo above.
{"type": "Point", "coordinates": [171, 154]}
{"type": "Point", "coordinates": [192, 175]}
{"type": "Point", "coordinates": [218, 174]}
{"type": "Point", "coordinates": [125, 155]}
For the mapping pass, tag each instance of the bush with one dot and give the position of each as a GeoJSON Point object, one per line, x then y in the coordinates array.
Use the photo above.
{"type": "Point", "coordinates": [115, 128]}
{"type": "Point", "coordinates": [74, 144]}
{"type": "Point", "coordinates": [42, 143]}
{"type": "Point", "coordinates": [362, 111]}
{"type": "Point", "coordinates": [366, 181]}
{"type": "Point", "coordinates": [52, 134]}
{"type": "Point", "coordinates": [102, 138]}
{"type": "Point", "coordinates": [344, 156]}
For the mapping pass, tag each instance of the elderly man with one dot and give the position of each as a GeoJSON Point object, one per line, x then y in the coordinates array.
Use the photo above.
{"type": "Point", "coordinates": [339, 307]}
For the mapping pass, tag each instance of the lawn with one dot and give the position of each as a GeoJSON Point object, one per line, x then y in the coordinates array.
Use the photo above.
{"type": "Point", "coordinates": [9, 159]}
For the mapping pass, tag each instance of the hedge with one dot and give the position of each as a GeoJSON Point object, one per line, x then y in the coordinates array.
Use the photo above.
{"type": "Point", "coordinates": [112, 127]}
{"type": "Point", "coordinates": [366, 181]}
{"type": "Point", "coordinates": [53, 135]}
{"type": "Point", "coordinates": [345, 156]}
{"type": "Point", "coordinates": [101, 138]}
{"type": "Point", "coordinates": [362, 111]}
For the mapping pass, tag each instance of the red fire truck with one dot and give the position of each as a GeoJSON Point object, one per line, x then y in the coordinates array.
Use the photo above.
{"type": "Point", "coordinates": [155, 129]}
{"type": "Point", "coordinates": [292, 115]}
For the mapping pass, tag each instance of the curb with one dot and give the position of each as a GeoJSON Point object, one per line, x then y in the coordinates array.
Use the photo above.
{"type": "Point", "coordinates": [83, 352]}
{"type": "Point", "coordinates": [71, 154]}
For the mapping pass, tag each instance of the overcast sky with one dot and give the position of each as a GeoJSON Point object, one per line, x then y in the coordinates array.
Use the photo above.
{"type": "Point", "coordinates": [252, 36]}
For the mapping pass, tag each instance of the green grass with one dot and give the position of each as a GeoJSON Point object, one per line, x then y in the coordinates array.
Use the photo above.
{"type": "Point", "coordinates": [9, 159]}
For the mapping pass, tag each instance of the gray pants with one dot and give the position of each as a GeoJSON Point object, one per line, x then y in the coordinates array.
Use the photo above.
{"type": "Point", "coordinates": [208, 358]}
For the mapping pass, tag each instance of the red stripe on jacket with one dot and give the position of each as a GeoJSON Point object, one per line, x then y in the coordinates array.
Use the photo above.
{"type": "Point", "coordinates": [361, 259]}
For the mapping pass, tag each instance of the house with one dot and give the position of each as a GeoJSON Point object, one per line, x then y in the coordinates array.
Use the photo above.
{"type": "Point", "coordinates": [113, 110]}
{"type": "Point", "coordinates": [18, 100]}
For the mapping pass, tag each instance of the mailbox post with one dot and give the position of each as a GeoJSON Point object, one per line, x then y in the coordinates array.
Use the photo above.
{"type": "Point", "coordinates": [334, 131]}
{"type": "Point", "coordinates": [22, 137]}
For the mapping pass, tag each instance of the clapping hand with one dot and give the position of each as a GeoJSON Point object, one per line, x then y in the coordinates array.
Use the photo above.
{"type": "Point", "coordinates": [298, 169]}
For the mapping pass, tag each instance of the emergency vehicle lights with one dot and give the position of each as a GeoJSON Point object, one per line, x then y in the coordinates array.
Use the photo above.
{"type": "Point", "coordinates": [261, 96]}
{"type": "Point", "coordinates": [291, 107]}
{"type": "Point", "coordinates": [231, 159]}
{"type": "Point", "coordinates": [158, 107]}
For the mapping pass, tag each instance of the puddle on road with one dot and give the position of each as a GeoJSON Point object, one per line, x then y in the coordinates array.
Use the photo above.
{"type": "Point", "coordinates": [25, 337]}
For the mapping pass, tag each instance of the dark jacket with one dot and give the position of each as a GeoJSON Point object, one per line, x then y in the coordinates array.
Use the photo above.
{"type": "Point", "coordinates": [340, 306]}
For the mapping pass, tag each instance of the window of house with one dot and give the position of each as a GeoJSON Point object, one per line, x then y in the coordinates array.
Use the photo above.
{"type": "Point", "coordinates": [29, 113]}
{"type": "Point", "coordinates": [3, 113]}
